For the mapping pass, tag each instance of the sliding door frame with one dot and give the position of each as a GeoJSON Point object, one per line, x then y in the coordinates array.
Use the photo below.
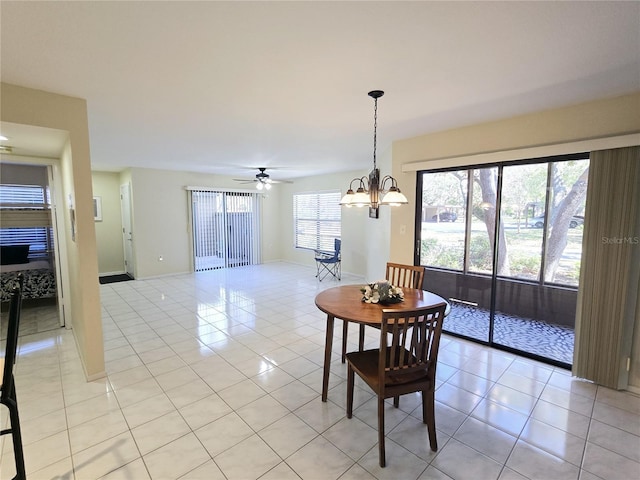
{"type": "Point", "coordinates": [495, 252]}
{"type": "Point", "coordinates": [255, 242]}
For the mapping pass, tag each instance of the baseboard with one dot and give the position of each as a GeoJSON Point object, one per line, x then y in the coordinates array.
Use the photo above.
{"type": "Point", "coordinates": [633, 389]}
{"type": "Point", "coordinates": [95, 376]}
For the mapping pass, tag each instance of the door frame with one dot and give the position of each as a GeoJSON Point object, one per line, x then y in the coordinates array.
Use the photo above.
{"type": "Point", "coordinates": [127, 230]}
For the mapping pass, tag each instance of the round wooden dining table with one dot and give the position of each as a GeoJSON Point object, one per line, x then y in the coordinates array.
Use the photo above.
{"type": "Point", "coordinates": [345, 302]}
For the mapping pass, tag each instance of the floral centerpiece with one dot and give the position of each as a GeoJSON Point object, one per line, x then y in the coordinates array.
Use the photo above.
{"type": "Point", "coordinates": [381, 292]}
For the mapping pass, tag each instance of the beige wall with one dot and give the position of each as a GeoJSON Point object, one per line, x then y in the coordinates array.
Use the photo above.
{"type": "Point", "coordinates": [353, 222]}
{"type": "Point", "coordinates": [365, 241]}
{"type": "Point", "coordinates": [106, 185]}
{"type": "Point", "coordinates": [160, 219]}
{"type": "Point", "coordinates": [26, 106]}
{"type": "Point", "coordinates": [161, 222]}
{"type": "Point", "coordinates": [483, 143]}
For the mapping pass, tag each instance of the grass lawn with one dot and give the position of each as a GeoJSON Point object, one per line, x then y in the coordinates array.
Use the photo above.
{"type": "Point", "coordinates": [443, 246]}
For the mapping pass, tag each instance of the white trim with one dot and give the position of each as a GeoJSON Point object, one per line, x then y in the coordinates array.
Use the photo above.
{"type": "Point", "coordinates": [60, 246]}
{"type": "Point", "coordinates": [96, 376]}
{"type": "Point", "coordinates": [539, 151]}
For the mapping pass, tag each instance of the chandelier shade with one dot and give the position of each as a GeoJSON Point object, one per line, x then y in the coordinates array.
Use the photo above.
{"type": "Point", "coordinates": [371, 190]}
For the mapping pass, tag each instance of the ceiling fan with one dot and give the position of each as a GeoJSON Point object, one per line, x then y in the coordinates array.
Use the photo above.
{"type": "Point", "coordinates": [263, 180]}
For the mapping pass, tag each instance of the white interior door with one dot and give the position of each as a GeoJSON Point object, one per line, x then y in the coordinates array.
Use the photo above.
{"type": "Point", "coordinates": [127, 231]}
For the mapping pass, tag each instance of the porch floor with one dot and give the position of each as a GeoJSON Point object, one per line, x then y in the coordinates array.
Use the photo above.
{"type": "Point", "coordinates": [526, 334]}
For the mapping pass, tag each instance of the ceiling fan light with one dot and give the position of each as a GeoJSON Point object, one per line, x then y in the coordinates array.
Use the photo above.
{"type": "Point", "coordinates": [259, 185]}
{"type": "Point", "coordinates": [267, 185]}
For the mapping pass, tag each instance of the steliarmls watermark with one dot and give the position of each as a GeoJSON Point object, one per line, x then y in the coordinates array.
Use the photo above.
{"type": "Point", "coordinates": [621, 240]}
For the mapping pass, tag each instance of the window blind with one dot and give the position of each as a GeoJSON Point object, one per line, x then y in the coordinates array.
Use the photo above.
{"type": "Point", "coordinates": [317, 219]}
{"type": "Point", "coordinates": [26, 218]}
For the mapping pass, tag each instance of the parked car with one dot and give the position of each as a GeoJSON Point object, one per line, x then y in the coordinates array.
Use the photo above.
{"type": "Point", "coordinates": [445, 217]}
{"type": "Point", "coordinates": [576, 220]}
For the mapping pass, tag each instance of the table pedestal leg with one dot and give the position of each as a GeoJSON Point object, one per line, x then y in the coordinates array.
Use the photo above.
{"type": "Point", "coordinates": [327, 357]}
{"type": "Point", "coordinates": [345, 331]}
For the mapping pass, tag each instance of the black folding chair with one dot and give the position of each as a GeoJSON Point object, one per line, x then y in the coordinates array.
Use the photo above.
{"type": "Point", "coordinates": [8, 389]}
{"type": "Point", "coordinates": [328, 263]}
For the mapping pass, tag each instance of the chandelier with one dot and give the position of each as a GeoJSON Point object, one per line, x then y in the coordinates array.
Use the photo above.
{"type": "Point", "coordinates": [371, 191]}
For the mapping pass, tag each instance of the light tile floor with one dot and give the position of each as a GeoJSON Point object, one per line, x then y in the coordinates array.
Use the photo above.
{"type": "Point", "coordinates": [217, 375]}
{"type": "Point", "coordinates": [37, 316]}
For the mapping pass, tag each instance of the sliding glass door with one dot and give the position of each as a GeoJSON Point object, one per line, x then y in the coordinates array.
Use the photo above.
{"type": "Point", "coordinates": [503, 244]}
{"type": "Point", "coordinates": [225, 229]}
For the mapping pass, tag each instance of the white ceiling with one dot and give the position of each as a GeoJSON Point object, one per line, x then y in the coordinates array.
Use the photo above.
{"type": "Point", "coordinates": [220, 86]}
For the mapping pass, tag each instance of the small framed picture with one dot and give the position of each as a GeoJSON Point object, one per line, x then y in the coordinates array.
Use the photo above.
{"type": "Point", "coordinates": [97, 209]}
{"type": "Point", "coordinates": [373, 212]}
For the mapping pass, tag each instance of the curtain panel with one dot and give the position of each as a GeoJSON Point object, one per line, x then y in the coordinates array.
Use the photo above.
{"type": "Point", "coordinates": [608, 294]}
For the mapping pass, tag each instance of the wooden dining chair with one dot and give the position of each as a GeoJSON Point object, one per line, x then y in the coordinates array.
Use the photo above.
{"type": "Point", "coordinates": [7, 389]}
{"type": "Point", "coordinates": [408, 276]}
{"type": "Point", "coordinates": [404, 363]}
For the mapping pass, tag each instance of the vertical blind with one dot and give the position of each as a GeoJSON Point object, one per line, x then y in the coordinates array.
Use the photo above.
{"type": "Point", "coordinates": [317, 219]}
{"type": "Point", "coordinates": [225, 229]}
{"type": "Point", "coordinates": [608, 288]}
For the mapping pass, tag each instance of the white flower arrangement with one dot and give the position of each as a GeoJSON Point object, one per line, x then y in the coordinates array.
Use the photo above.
{"type": "Point", "coordinates": [381, 292]}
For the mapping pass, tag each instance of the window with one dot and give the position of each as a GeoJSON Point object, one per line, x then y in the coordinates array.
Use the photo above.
{"type": "Point", "coordinates": [316, 219]}
{"type": "Point", "coordinates": [25, 218]}
{"type": "Point", "coordinates": [458, 220]}
{"type": "Point", "coordinates": [23, 196]}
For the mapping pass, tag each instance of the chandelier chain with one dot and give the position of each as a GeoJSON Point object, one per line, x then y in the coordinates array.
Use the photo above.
{"type": "Point", "coordinates": [375, 130]}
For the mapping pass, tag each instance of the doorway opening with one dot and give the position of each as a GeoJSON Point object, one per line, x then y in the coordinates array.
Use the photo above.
{"type": "Point", "coordinates": [29, 246]}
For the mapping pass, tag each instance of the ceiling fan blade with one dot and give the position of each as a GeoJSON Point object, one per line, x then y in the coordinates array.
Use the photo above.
{"type": "Point", "coordinates": [280, 181]}
{"type": "Point", "coordinates": [262, 177]}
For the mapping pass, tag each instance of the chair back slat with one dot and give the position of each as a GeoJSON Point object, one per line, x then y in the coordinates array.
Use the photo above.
{"type": "Point", "coordinates": [409, 276]}
{"type": "Point", "coordinates": [409, 343]}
